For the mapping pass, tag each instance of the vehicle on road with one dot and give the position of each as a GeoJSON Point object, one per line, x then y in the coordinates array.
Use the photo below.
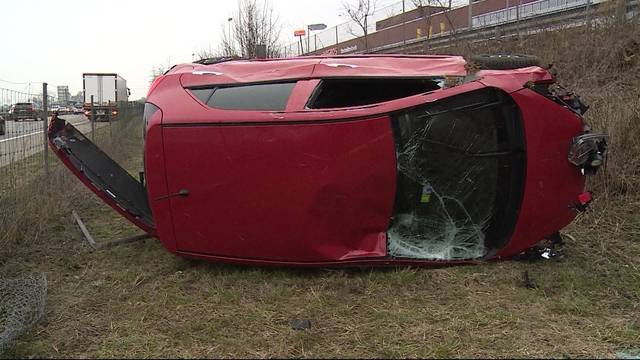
{"type": "Point", "coordinates": [64, 110]}
{"type": "Point", "coordinates": [23, 111]}
{"type": "Point", "coordinates": [351, 160]}
{"type": "Point", "coordinates": [109, 90]}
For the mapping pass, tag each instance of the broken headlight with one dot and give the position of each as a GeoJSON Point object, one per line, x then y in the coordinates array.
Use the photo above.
{"type": "Point", "coordinates": [587, 151]}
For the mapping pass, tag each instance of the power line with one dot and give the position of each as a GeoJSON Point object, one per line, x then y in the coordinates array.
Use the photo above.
{"type": "Point", "coordinates": [20, 83]}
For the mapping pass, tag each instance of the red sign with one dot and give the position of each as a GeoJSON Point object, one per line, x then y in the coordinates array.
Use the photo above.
{"type": "Point", "coordinates": [299, 33]}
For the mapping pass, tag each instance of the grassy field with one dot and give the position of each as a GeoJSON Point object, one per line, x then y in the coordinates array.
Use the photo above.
{"type": "Point", "coordinates": [138, 300]}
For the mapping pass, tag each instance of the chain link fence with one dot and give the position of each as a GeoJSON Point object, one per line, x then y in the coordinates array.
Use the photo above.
{"type": "Point", "coordinates": [24, 118]}
{"type": "Point", "coordinates": [26, 164]}
{"type": "Point", "coordinates": [21, 135]}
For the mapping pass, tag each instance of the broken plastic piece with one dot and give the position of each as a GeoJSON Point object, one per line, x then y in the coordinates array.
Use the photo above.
{"type": "Point", "coordinates": [301, 324]}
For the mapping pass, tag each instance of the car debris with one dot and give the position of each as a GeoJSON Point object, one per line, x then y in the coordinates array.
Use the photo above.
{"type": "Point", "coordinates": [301, 324]}
{"type": "Point", "coordinates": [97, 246]}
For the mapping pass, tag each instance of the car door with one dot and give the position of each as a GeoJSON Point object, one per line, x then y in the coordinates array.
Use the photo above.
{"type": "Point", "coordinates": [296, 190]}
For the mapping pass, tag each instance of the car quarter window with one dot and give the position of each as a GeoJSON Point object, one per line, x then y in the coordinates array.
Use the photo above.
{"type": "Point", "coordinates": [270, 97]}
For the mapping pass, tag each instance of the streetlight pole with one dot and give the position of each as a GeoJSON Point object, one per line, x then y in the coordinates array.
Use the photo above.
{"type": "Point", "coordinates": [310, 28]}
{"type": "Point", "coordinates": [308, 35]}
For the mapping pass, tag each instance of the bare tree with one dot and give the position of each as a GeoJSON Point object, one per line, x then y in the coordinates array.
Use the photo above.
{"type": "Point", "coordinates": [360, 12]}
{"type": "Point", "coordinates": [160, 69]}
{"type": "Point", "coordinates": [425, 8]}
{"type": "Point", "coordinates": [156, 71]}
{"type": "Point", "coordinates": [253, 24]}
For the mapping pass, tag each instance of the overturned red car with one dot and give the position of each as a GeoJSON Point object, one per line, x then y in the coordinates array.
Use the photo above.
{"type": "Point", "coordinates": [356, 160]}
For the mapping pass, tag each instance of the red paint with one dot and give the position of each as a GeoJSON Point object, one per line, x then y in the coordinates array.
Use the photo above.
{"type": "Point", "coordinates": [585, 198]}
{"type": "Point", "coordinates": [552, 183]}
{"type": "Point", "coordinates": [322, 192]}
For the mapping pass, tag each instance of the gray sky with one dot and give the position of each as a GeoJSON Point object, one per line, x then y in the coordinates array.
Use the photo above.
{"type": "Point", "coordinates": [56, 41]}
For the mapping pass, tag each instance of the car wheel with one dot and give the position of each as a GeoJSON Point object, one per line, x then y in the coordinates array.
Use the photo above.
{"type": "Point", "coordinates": [504, 61]}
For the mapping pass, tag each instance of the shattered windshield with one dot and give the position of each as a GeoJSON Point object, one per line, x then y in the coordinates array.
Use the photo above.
{"type": "Point", "coordinates": [460, 173]}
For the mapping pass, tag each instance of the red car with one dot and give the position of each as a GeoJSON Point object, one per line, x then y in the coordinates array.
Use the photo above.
{"type": "Point", "coordinates": [357, 160]}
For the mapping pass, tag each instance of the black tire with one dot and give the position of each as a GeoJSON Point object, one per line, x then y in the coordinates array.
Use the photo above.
{"type": "Point", "coordinates": [504, 61]}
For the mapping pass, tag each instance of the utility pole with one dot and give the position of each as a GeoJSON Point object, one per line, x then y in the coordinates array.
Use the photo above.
{"type": "Point", "coordinates": [470, 14]}
{"type": "Point", "coordinates": [45, 123]}
{"type": "Point", "coordinates": [404, 23]}
{"type": "Point", "coordinates": [308, 35]}
{"type": "Point", "coordinates": [93, 121]}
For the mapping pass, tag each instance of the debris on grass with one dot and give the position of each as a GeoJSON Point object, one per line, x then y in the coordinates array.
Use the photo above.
{"type": "Point", "coordinates": [301, 324]}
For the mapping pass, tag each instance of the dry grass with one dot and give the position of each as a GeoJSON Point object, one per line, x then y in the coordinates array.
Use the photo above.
{"type": "Point", "coordinates": [140, 301]}
{"type": "Point", "coordinates": [602, 65]}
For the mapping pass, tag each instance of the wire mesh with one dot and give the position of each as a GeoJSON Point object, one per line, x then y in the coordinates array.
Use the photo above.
{"type": "Point", "coordinates": [22, 302]}
{"type": "Point", "coordinates": [21, 130]}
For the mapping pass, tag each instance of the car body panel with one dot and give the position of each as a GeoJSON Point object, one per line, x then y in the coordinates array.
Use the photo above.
{"type": "Point", "coordinates": [114, 185]}
{"type": "Point", "coordinates": [304, 194]}
{"type": "Point", "coordinates": [398, 66]}
{"type": "Point", "coordinates": [552, 183]}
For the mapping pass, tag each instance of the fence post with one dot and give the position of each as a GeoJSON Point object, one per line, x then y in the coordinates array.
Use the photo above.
{"type": "Point", "coordinates": [93, 121]}
{"type": "Point", "coordinates": [45, 123]}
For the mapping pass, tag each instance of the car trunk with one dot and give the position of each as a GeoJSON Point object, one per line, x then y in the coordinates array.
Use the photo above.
{"type": "Point", "coordinates": [101, 174]}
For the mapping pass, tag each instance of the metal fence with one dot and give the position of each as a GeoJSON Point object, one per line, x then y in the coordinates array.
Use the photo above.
{"type": "Point", "coordinates": [21, 134]}
{"type": "Point", "coordinates": [24, 119]}
{"type": "Point", "coordinates": [450, 16]}
{"type": "Point", "coordinates": [351, 29]}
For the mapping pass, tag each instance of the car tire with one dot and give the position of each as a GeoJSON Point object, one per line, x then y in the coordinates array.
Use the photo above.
{"type": "Point", "coordinates": [504, 61]}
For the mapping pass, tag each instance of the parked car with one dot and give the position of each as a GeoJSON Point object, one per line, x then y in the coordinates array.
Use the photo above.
{"type": "Point", "coordinates": [3, 125]}
{"type": "Point", "coordinates": [64, 110]}
{"type": "Point", "coordinates": [355, 160]}
{"type": "Point", "coordinates": [23, 111]}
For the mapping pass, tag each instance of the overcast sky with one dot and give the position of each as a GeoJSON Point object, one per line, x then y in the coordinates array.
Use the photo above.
{"type": "Point", "coordinates": [56, 41]}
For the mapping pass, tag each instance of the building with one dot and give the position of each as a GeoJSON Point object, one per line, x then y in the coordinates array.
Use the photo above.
{"type": "Point", "coordinates": [63, 94]}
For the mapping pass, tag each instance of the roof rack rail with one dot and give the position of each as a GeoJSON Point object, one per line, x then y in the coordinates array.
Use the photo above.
{"type": "Point", "coordinates": [217, 60]}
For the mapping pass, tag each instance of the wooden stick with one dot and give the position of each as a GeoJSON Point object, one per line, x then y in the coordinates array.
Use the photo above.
{"type": "Point", "coordinates": [84, 230]}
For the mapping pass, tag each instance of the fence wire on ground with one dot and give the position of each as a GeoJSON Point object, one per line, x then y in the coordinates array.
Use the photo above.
{"type": "Point", "coordinates": [22, 303]}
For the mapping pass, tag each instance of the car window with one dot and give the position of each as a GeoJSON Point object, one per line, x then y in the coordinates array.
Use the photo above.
{"type": "Point", "coordinates": [270, 97]}
{"type": "Point", "coordinates": [340, 93]}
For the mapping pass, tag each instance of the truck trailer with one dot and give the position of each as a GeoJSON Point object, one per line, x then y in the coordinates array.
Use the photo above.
{"type": "Point", "coordinates": [110, 93]}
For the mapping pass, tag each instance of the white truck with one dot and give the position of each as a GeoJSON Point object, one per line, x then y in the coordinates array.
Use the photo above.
{"type": "Point", "coordinates": [109, 91]}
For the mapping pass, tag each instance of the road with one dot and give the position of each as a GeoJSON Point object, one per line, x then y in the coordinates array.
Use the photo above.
{"type": "Point", "coordinates": [25, 138]}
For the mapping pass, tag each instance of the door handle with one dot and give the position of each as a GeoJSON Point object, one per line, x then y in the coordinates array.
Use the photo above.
{"type": "Point", "coordinates": [181, 192]}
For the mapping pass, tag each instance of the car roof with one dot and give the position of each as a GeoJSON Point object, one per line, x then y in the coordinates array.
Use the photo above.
{"type": "Point", "coordinates": [305, 67]}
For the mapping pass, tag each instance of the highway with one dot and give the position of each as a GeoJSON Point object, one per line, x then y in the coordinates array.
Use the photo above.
{"type": "Point", "coordinates": [25, 138]}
